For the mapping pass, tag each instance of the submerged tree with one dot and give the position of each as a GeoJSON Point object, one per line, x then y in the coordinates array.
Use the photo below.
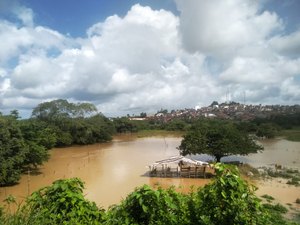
{"type": "Point", "coordinates": [217, 138]}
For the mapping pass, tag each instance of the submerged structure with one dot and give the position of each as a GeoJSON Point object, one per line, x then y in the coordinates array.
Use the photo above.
{"type": "Point", "coordinates": [178, 166]}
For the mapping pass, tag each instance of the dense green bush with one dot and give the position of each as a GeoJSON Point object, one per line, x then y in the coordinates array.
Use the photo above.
{"type": "Point", "coordinates": [12, 153]}
{"type": "Point", "coordinates": [61, 203]}
{"type": "Point", "coordinates": [148, 206]}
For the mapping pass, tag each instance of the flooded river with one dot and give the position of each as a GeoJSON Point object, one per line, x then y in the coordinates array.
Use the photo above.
{"type": "Point", "coordinates": [111, 171]}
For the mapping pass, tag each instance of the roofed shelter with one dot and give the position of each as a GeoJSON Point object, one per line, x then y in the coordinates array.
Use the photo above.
{"type": "Point", "coordinates": [178, 166]}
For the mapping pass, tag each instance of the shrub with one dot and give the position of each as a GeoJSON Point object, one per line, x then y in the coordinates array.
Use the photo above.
{"type": "Point", "coordinates": [227, 200]}
{"type": "Point", "coordinates": [62, 203]}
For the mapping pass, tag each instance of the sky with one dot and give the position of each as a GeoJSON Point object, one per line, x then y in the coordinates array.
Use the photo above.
{"type": "Point", "coordinates": [128, 57]}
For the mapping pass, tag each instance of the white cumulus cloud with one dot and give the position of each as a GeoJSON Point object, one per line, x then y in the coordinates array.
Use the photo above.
{"type": "Point", "coordinates": [151, 59]}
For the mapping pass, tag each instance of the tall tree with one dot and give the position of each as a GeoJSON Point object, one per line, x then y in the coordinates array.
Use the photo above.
{"type": "Point", "coordinates": [217, 138]}
{"type": "Point", "coordinates": [61, 109]}
{"type": "Point", "coordinates": [12, 150]}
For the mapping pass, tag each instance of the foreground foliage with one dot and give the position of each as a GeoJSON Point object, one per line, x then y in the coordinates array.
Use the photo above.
{"type": "Point", "coordinates": [226, 200]}
{"type": "Point", "coordinates": [61, 203]}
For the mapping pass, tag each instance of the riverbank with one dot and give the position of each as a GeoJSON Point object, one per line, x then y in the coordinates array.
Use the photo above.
{"type": "Point", "coordinates": [159, 133]}
{"type": "Point", "coordinates": [291, 135]}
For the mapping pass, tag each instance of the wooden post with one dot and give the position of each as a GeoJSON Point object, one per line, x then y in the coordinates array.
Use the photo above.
{"type": "Point", "coordinates": [28, 182]}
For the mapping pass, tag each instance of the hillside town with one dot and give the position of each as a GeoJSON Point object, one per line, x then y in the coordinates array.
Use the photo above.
{"type": "Point", "coordinates": [229, 110]}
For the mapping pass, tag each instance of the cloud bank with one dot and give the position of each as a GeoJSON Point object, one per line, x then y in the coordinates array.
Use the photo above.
{"type": "Point", "coordinates": [151, 59]}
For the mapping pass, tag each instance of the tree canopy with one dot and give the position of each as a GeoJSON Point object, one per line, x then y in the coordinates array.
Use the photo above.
{"type": "Point", "coordinates": [61, 108]}
{"type": "Point", "coordinates": [16, 151]}
{"type": "Point", "coordinates": [217, 138]}
{"type": "Point", "coordinates": [25, 143]}
{"type": "Point", "coordinates": [73, 123]}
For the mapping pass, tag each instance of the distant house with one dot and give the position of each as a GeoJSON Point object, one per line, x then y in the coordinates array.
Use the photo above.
{"type": "Point", "coordinates": [137, 118]}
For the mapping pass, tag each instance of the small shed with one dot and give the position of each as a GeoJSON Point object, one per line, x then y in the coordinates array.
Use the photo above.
{"type": "Point", "coordinates": [178, 166]}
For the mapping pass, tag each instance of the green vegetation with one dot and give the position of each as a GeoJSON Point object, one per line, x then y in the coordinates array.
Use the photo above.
{"type": "Point", "coordinates": [228, 199]}
{"type": "Point", "coordinates": [267, 130]}
{"type": "Point", "coordinates": [292, 134]}
{"type": "Point", "coordinates": [24, 144]}
{"type": "Point", "coordinates": [294, 181]}
{"type": "Point", "coordinates": [269, 198]}
{"type": "Point", "coordinates": [217, 138]}
{"type": "Point", "coordinates": [72, 123]}
{"type": "Point", "coordinates": [61, 203]}
{"type": "Point", "coordinates": [284, 121]}
{"type": "Point", "coordinates": [292, 174]}
{"type": "Point", "coordinates": [286, 125]}
{"type": "Point", "coordinates": [17, 152]}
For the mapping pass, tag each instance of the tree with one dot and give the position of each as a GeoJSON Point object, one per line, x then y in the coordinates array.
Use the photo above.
{"type": "Point", "coordinates": [12, 151]}
{"type": "Point", "coordinates": [143, 115]}
{"type": "Point", "coordinates": [214, 103]}
{"type": "Point", "coordinates": [61, 109]}
{"type": "Point", "coordinates": [176, 125]}
{"type": "Point", "coordinates": [267, 130]}
{"type": "Point", "coordinates": [72, 123]}
{"type": "Point", "coordinates": [38, 131]}
{"type": "Point", "coordinates": [123, 125]}
{"type": "Point", "coordinates": [217, 138]}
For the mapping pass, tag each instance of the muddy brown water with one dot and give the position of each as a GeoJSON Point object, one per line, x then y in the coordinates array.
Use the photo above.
{"type": "Point", "coordinates": [112, 170]}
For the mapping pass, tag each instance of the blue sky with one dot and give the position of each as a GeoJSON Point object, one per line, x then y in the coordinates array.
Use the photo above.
{"type": "Point", "coordinates": [69, 18]}
{"type": "Point", "coordinates": [140, 56]}
{"type": "Point", "coordinates": [74, 18]}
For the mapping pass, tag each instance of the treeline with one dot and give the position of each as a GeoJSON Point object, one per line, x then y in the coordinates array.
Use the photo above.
{"type": "Point", "coordinates": [271, 126]}
{"type": "Point", "coordinates": [71, 123]}
{"type": "Point", "coordinates": [125, 125]}
{"type": "Point", "coordinates": [19, 148]}
{"type": "Point", "coordinates": [228, 199]}
{"type": "Point", "coordinates": [25, 143]}
{"type": "Point", "coordinates": [261, 127]}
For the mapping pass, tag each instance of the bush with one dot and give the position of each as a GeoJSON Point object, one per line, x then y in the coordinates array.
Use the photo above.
{"type": "Point", "coordinates": [148, 206]}
{"type": "Point", "coordinates": [227, 200]}
{"type": "Point", "coordinates": [62, 203]}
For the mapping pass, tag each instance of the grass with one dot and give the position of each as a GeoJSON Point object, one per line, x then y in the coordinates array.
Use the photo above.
{"type": "Point", "coordinates": [292, 134]}
{"type": "Point", "coordinates": [294, 181]}
{"type": "Point", "coordinates": [269, 198]}
{"type": "Point", "coordinates": [276, 208]}
{"type": "Point", "coordinates": [246, 168]}
{"type": "Point", "coordinates": [162, 133]}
